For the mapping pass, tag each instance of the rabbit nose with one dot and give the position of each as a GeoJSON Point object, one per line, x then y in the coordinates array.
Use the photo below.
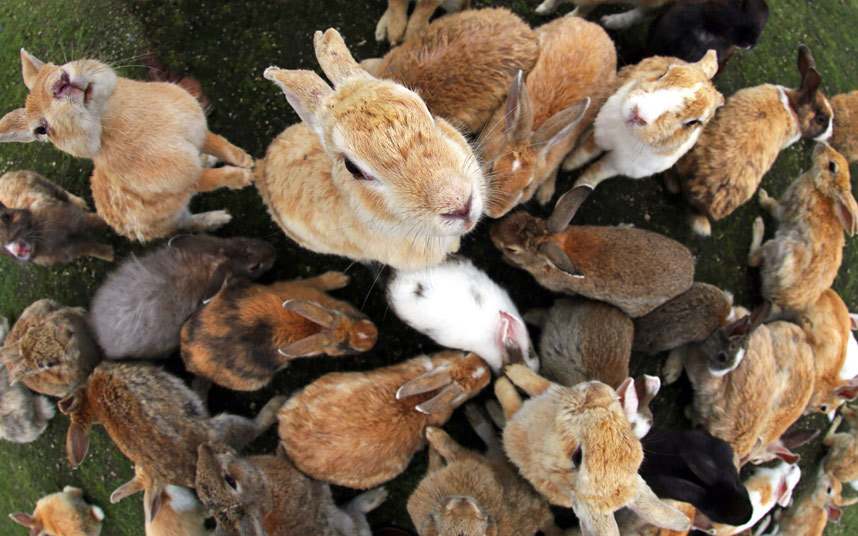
{"type": "Point", "coordinates": [462, 212]}
{"type": "Point", "coordinates": [635, 117]}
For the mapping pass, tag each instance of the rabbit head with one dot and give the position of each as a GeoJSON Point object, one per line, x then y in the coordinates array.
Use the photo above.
{"type": "Point", "coordinates": [746, 32]}
{"type": "Point", "coordinates": [725, 348]}
{"type": "Point", "coordinates": [518, 236]}
{"type": "Point", "coordinates": [459, 516]}
{"type": "Point", "coordinates": [831, 179]}
{"type": "Point", "coordinates": [17, 234]}
{"type": "Point", "coordinates": [64, 105]}
{"type": "Point", "coordinates": [456, 381]}
{"type": "Point", "coordinates": [397, 166]}
{"type": "Point", "coordinates": [65, 512]}
{"type": "Point", "coordinates": [815, 115]}
{"type": "Point", "coordinates": [343, 330]}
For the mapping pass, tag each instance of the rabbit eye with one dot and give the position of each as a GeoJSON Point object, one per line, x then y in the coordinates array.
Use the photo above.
{"type": "Point", "coordinates": [40, 130]}
{"type": "Point", "coordinates": [823, 408]}
{"type": "Point", "coordinates": [5, 218]}
{"type": "Point", "coordinates": [832, 167]}
{"type": "Point", "coordinates": [692, 123]}
{"type": "Point", "coordinates": [255, 267]}
{"type": "Point", "coordinates": [231, 481]}
{"type": "Point", "coordinates": [821, 119]}
{"type": "Point", "coordinates": [577, 456]}
{"type": "Point", "coordinates": [722, 357]}
{"type": "Point", "coordinates": [357, 173]}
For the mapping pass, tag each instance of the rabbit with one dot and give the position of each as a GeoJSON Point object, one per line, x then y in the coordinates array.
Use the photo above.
{"type": "Point", "coordinates": [157, 70]}
{"type": "Point", "coordinates": [459, 306]}
{"type": "Point", "coordinates": [828, 326]}
{"type": "Point", "coordinates": [268, 496]}
{"type": "Point", "coordinates": [144, 139]}
{"type": "Point", "coordinates": [139, 310]}
{"type": "Point", "coordinates": [576, 447]}
{"type": "Point", "coordinates": [383, 181]}
{"type": "Point", "coordinates": [393, 27]}
{"type": "Point", "coordinates": [841, 461]}
{"type": "Point", "coordinates": [248, 332]}
{"type": "Point", "coordinates": [655, 116]}
{"type": "Point", "coordinates": [631, 525]}
{"type": "Point", "coordinates": [809, 514]}
{"type": "Point", "coordinates": [525, 141]}
{"type": "Point", "coordinates": [690, 317]}
{"type": "Point", "coordinates": [695, 467]}
{"type": "Point", "coordinates": [360, 429]}
{"type": "Point", "coordinates": [802, 259]}
{"type": "Point", "coordinates": [50, 349]}
{"type": "Point", "coordinates": [632, 269]}
{"type": "Point", "coordinates": [691, 27]}
{"type": "Point", "coordinates": [42, 223]}
{"type": "Point", "coordinates": [154, 419]}
{"type": "Point", "coordinates": [725, 167]}
{"type": "Point", "coordinates": [844, 138]}
{"type": "Point", "coordinates": [471, 494]}
{"type": "Point", "coordinates": [64, 513]}
{"type": "Point", "coordinates": [643, 10]}
{"type": "Point", "coordinates": [462, 65]}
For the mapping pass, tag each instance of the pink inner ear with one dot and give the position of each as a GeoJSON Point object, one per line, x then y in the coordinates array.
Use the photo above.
{"type": "Point", "coordinates": [628, 398]}
{"type": "Point", "coordinates": [512, 332]}
{"type": "Point", "coordinates": [783, 493]}
{"type": "Point", "coordinates": [833, 512]}
{"type": "Point", "coordinates": [853, 321]}
{"type": "Point", "coordinates": [845, 217]}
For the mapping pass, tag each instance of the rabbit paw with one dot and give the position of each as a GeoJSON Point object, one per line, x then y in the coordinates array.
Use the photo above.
{"type": "Point", "coordinates": [547, 7]}
{"type": "Point", "coordinates": [370, 500]}
{"type": "Point", "coordinates": [672, 367]}
{"type": "Point", "coordinates": [209, 221]}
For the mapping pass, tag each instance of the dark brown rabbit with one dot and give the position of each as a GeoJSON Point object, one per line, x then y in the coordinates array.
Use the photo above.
{"type": "Point", "coordinates": [248, 332]}
{"type": "Point", "coordinates": [42, 223]}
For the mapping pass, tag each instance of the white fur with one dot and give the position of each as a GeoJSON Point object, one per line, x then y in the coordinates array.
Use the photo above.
{"type": "Point", "coordinates": [827, 134]}
{"type": "Point", "coordinates": [516, 164]}
{"type": "Point", "coordinates": [854, 484]}
{"type": "Point", "coordinates": [771, 478]}
{"type": "Point", "coordinates": [740, 355]}
{"type": "Point", "coordinates": [459, 307]}
{"type": "Point", "coordinates": [850, 365]}
{"type": "Point", "coordinates": [796, 133]}
{"type": "Point", "coordinates": [97, 513]}
{"type": "Point", "coordinates": [652, 105]}
{"type": "Point", "coordinates": [181, 499]}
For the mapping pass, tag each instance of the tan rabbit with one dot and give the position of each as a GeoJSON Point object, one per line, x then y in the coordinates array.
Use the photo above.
{"type": "Point", "coordinates": [842, 458]}
{"type": "Point", "coordinates": [652, 119]}
{"type": "Point", "coordinates": [844, 139]}
{"type": "Point", "coordinates": [810, 512]}
{"type": "Point", "coordinates": [645, 9]}
{"type": "Point", "coordinates": [50, 349]}
{"type": "Point", "coordinates": [248, 332]}
{"type": "Point", "coordinates": [739, 146]}
{"type": "Point", "coordinates": [525, 141]}
{"type": "Point", "coordinates": [802, 259]}
{"type": "Point", "coordinates": [576, 447]}
{"type": "Point", "coordinates": [360, 429]}
{"type": "Point", "coordinates": [145, 139]}
{"type": "Point", "coordinates": [632, 269]}
{"type": "Point", "coordinates": [42, 223]}
{"type": "Point", "coordinates": [392, 25]}
{"type": "Point", "coordinates": [64, 513]}
{"type": "Point", "coordinates": [462, 65]}
{"type": "Point", "coordinates": [828, 326]}
{"type": "Point", "coordinates": [383, 180]}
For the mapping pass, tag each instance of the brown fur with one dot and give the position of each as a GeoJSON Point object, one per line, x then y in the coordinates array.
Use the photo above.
{"type": "Point", "coordinates": [809, 514]}
{"type": "Point", "coordinates": [393, 26]}
{"type": "Point", "coordinates": [845, 136]}
{"type": "Point", "coordinates": [631, 525]}
{"type": "Point", "coordinates": [842, 458]}
{"type": "Point", "coordinates": [632, 269]}
{"type": "Point", "coordinates": [65, 513]}
{"type": "Point", "coordinates": [349, 429]}
{"type": "Point", "coordinates": [236, 339]}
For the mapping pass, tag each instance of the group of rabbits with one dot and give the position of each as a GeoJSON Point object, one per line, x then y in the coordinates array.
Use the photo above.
{"type": "Point", "coordinates": [394, 162]}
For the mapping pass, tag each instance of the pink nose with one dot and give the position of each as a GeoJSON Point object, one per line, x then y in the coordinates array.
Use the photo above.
{"type": "Point", "coordinates": [636, 118]}
{"type": "Point", "coordinates": [462, 212]}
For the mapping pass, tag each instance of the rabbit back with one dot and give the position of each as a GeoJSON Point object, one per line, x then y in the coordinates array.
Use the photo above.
{"type": "Point", "coordinates": [844, 139]}
{"type": "Point", "coordinates": [23, 415]}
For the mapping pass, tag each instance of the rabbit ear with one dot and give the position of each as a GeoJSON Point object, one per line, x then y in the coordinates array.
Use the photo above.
{"type": "Point", "coordinates": [335, 59]}
{"type": "Point", "coordinates": [809, 85]}
{"type": "Point", "coordinates": [558, 258]}
{"type": "Point", "coordinates": [567, 206]}
{"type": "Point", "coordinates": [652, 509]}
{"type": "Point", "coordinates": [853, 321]}
{"type": "Point", "coordinates": [313, 345]}
{"type": "Point", "coordinates": [594, 523]}
{"type": "Point", "coordinates": [848, 391]}
{"type": "Point", "coordinates": [628, 398]}
{"type": "Point", "coordinates": [9, 352]}
{"type": "Point", "coordinates": [709, 63]}
{"type": "Point", "coordinates": [513, 336]}
{"type": "Point", "coordinates": [306, 92]}
{"type": "Point", "coordinates": [560, 126]}
{"type": "Point", "coordinates": [30, 67]}
{"type": "Point", "coordinates": [646, 388]}
{"type": "Point", "coordinates": [847, 213]}
{"type": "Point", "coordinates": [14, 127]}
{"type": "Point", "coordinates": [152, 497]}
{"type": "Point", "coordinates": [251, 525]}
{"type": "Point", "coordinates": [216, 282]}
{"type": "Point", "coordinates": [23, 519]}
{"type": "Point", "coordinates": [682, 489]}
{"type": "Point", "coordinates": [805, 60]}
{"type": "Point", "coordinates": [131, 487]}
{"type": "Point", "coordinates": [429, 381]}
{"type": "Point", "coordinates": [77, 443]}
{"type": "Point", "coordinates": [519, 111]}
{"type": "Point", "coordinates": [446, 399]}
{"type": "Point", "coordinates": [311, 311]}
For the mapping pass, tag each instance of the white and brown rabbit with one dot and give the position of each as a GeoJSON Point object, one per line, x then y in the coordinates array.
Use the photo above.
{"type": "Point", "coordinates": [396, 26]}
{"type": "Point", "coordinates": [811, 512]}
{"type": "Point", "coordinates": [546, 111]}
{"type": "Point", "coordinates": [145, 139]}
{"type": "Point", "coordinates": [738, 147]}
{"type": "Point", "coordinates": [655, 116]}
{"type": "Point", "coordinates": [43, 223]}
{"type": "Point", "coordinates": [360, 429]}
{"type": "Point", "coordinates": [803, 258]}
{"type": "Point", "coordinates": [64, 513]}
{"type": "Point", "coordinates": [844, 139]}
{"type": "Point", "coordinates": [370, 174]}
{"type": "Point", "coordinates": [841, 461]}
{"type": "Point", "coordinates": [576, 447]}
{"type": "Point", "coordinates": [139, 310]}
{"type": "Point", "coordinates": [268, 496]}
{"type": "Point", "coordinates": [248, 332]}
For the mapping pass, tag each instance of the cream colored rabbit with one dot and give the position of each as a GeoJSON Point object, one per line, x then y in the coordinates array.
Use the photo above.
{"type": "Point", "coordinates": [65, 513]}
{"type": "Point", "coordinates": [392, 24]}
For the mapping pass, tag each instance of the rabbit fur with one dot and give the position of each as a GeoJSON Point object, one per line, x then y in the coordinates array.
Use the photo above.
{"type": "Point", "coordinates": [767, 487]}
{"type": "Point", "coordinates": [392, 25]}
{"type": "Point", "coordinates": [810, 512]}
{"type": "Point", "coordinates": [64, 513]}
{"type": "Point", "coordinates": [844, 139]}
{"type": "Point", "coordinates": [841, 461]}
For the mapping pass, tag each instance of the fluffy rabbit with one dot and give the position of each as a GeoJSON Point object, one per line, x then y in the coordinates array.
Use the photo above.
{"type": "Point", "coordinates": [42, 223]}
{"type": "Point", "coordinates": [802, 259]}
{"type": "Point", "coordinates": [844, 139]}
{"type": "Point", "coordinates": [462, 65]}
{"type": "Point", "coordinates": [360, 429]}
{"type": "Point", "coordinates": [526, 140]}
{"type": "Point", "coordinates": [268, 496]}
{"type": "Point", "coordinates": [632, 269]}
{"type": "Point", "coordinates": [154, 419]}
{"type": "Point", "coordinates": [145, 139]}
{"type": "Point", "coordinates": [49, 349]}
{"type": "Point", "coordinates": [576, 447]}
{"type": "Point", "coordinates": [470, 494]}
{"type": "Point", "coordinates": [654, 117]}
{"type": "Point", "coordinates": [64, 513]}
{"type": "Point", "coordinates": [690, 317]}
{"type": "Point", "coordinates": [842, 458]}
{"type": "Point", "coordinates": [139, 310]}
{"type": "Point", "coordinates": [392, 25]}
{"type": "Point", "coordinates": [249, 332]}
{"type": "Point", "coordinates": [738, 147]}
{"type": "Point", "coordinates": [810, 512]}
{"type": "Point", "coordinates": [643, 10]}
{"type": "Point", "coordinates": [459, 306]}
{"type": "Point", "coordinates": [383, 181]}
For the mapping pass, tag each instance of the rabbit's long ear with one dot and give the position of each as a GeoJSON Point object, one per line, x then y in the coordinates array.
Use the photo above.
{"type": "Point", "coordinates": [30, 67]}
{"type": "Point", "coordinates": [560, 126]}
{"type": "Point", "coordinates": [306, 93]}
{"type": "Point", "coordinates": [23, 519]}
{"type": "Point", "coordinates": [847, 212]}
{"type": "Point", "coordinates": [77, 443]}
{"type": "Point", "coordinates": [594, 523]}
{"type": "Point", "coordinates": [14, 127]}
{"type": "Point", "coordinates": [519, 111]}
{"type": "Point", "coordinates": [651, 508]}
{"type": "Point", "coordinates": [709, 63]}
{"type": "Point", "coordinates": [131, 487]}
{"type": "Point", "coordinates": [429, 381]}
{"type": "Point", "coordinates": [335, 59]}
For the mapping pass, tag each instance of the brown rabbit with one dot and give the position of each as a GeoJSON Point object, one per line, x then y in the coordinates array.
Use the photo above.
{"type": "Point", "coordinates": [41, 222]}
{"type": "Point", "coordinates": [65, 513]}
{"type": "Point", "coordinates": [154, 419]}
{"type": "Point", "coordinates": [49, 349]}
{"type": "Point", "coordinates": [632, 269]}
{"type": "Point", "coordinates": [383, 180]}
{"type": "Point", "coordinates": [802, 259]}
{"type": "Point", "coordinates": [462, 65]}
{"type": "Point", "coordinates": [525, 141]}
{"type": "Point", "coordinates": [738, 147]}
{"type": "Point", "coordinates": [360, 429]}
{"type": "Point", "coordinates": [576, 447]}
{"type": "Point", "coordinates": [810, 512]}
{"type": "Point", "coordinates": [842, 458]}
{"type": "Point", "coordinates": [145, 139]}
{"type": "Point", "coordinates": [392, 24]}
{"type": "Point", "coordinates": [248, 332]}
{"type": "Point", "coordinates": [844, 139]}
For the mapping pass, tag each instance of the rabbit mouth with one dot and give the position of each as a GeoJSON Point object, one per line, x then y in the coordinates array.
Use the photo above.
{"type": "Point", "coordinates": [20, 250]}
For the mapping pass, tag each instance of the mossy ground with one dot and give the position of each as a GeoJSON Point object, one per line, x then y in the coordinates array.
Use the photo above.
{"type": "Point", "coordinates": [226, 45]}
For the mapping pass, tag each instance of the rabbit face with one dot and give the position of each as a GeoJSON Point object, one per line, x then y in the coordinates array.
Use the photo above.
{"type": "Point", "coordinates": [17, 235]}
{"type": "Point", "coordinates": [462, 516]}
{"type": "Point", "coordinates": [831, 179]}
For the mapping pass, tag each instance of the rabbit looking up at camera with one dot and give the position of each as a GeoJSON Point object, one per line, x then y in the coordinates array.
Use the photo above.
{"type": "Point", "coordinates": [64, 513]}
